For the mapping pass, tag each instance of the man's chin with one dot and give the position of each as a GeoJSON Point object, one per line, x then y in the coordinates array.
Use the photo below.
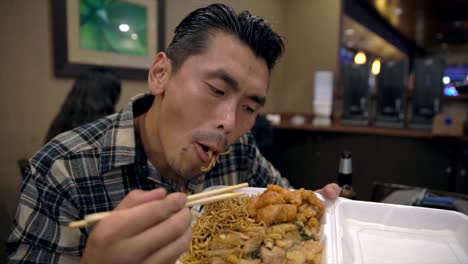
{"type": "Point", "coordinates": [196, 173]}
{"type": "Point", "coordinates": [191, 174]}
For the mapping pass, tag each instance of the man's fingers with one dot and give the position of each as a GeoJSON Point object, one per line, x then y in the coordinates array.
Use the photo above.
{"type": "Point", "coordinates": [135, 220]}
{"type": "Point", "coordinates": [158, 236]}
{"type": "Point", "coordinates": [172, 251]}
{"type": "Point", "coordinates": [138, 197]}
{"type": "Point", "coordinates": [115, 232]}
{"type": "Point", "coordinates": [330, 191]}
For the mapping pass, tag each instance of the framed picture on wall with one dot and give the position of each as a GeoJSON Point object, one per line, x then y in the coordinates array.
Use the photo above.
{"type": "Point", "coordinates": [121, 35]}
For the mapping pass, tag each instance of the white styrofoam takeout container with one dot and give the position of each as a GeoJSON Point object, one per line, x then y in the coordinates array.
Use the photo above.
{"type": "Point", "coordinates": [378, 233]}
{"type": "Point", "coordinates": [358, 232]}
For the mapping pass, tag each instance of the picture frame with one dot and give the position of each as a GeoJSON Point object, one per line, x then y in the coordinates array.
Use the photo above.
{"type": "Point", "coordinates": [72, 57]}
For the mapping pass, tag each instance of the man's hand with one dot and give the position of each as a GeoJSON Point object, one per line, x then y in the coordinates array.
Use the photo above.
{"type": "Point", "coordinates": [146, 227]}
{"type": "Point", "coordinates": [330, 191]}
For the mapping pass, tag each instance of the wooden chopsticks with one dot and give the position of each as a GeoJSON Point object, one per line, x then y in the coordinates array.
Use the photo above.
{"type": "Point", "coordinates": [195, 199]}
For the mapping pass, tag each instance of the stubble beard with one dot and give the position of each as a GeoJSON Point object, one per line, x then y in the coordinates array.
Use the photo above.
{"type": "Point", "coordinates": [182, 173]}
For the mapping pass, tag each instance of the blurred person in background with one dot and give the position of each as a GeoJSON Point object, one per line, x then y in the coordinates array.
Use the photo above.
{"type": "Point", "coordinates": [262, 131]}
{"type": "Point", "coordinates": [94, 95]}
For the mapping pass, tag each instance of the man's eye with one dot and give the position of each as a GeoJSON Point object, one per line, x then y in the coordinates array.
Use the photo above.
{"type": "Point", "coordinates": [216, 91]}
{"type": "Point", "coordinates": [249, 109]}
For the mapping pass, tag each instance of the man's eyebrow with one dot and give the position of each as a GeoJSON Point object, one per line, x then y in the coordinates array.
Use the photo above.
{"type": "Point", "coordinates": [223, 75]}
{"type": "Point", "coordinates": [258, 99]}
{"type": "Point", "coordinates": [232, 82]}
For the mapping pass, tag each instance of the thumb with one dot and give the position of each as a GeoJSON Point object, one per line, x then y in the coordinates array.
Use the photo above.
{"type": "Point", "coordinates": [138, 197]}
{"type": "Point", "coordinates": [330, 191]}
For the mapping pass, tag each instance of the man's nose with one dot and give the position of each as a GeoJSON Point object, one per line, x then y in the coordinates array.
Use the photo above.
{"type": "Point", "coordinates": [227, 120]}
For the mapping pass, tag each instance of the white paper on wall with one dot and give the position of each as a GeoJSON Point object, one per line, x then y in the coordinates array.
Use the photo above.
{"type": "Point", "coordinates": [323, 93]}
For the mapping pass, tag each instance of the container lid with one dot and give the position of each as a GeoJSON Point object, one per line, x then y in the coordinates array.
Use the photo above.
{"type": "Point", "coordinates": [369, 233]}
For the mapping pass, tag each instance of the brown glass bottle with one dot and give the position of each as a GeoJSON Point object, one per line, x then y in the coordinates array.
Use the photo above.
{"type": "Point", "coordinates": [345, 175]}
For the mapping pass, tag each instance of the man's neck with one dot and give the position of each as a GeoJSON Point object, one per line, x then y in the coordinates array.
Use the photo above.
{"type": "Point", "coordinates": [153, 151]}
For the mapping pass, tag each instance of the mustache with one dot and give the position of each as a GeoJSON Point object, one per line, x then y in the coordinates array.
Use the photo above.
{"type": "Point", "coordinates": [211, 136]}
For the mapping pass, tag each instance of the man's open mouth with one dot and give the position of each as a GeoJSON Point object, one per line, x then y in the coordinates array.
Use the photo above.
{"type": "Point", "coordinates": [205, 148]}
{"type": "Point", "coordinates": [209, 155]}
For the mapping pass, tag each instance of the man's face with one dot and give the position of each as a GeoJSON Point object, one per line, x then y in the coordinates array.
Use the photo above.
{"type": "Point", "coordinates": [211, 101]}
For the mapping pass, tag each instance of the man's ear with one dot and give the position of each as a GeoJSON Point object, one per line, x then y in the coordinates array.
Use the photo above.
{"type": "Point", "coordinates": [159, 74]}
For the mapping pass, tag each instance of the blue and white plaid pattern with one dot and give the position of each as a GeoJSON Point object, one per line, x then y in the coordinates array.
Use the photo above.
{"type": "Point", "coordinates": [91, 169]}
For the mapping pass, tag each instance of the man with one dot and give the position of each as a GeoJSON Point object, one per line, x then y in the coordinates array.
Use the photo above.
{"type": "Point", "coordinates": [206, 91]}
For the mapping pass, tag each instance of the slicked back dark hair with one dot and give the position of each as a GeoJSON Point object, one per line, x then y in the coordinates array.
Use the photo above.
{"type": "Point", "coordinates": [193, 33]}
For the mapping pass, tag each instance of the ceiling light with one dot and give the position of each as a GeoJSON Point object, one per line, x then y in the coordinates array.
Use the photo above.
{"type": "Point", "coordinates": [360, 58]}
{"type": "Point", "coordinates": [375, 67]}
{"type": "Point", "coordinates": [349, 31]}
{"type": "Point", "coordinates": [124, 27]}
{"type": "Point", "coordinates": [134, 36]}
{"type": "Point", "coordinates": [446, 80]}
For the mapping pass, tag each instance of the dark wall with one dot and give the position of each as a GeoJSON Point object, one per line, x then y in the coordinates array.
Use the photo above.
{"type": "Point", "coordinates": [310, 160]}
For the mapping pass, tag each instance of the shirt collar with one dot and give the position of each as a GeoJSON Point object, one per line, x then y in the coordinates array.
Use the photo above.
{"type": "Point", "coordinates": [123, 135]}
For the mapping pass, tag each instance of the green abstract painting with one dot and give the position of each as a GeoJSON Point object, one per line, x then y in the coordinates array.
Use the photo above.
{"type": "Point", "coordinates": [113, 26]}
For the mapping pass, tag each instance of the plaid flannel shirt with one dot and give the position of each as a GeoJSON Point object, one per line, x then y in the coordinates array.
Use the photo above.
{"type": "Point", "coordinates": [91, 169]}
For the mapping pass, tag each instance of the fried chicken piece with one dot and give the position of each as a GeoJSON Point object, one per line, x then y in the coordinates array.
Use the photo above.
{"type": "Point", "coordinates": [313, 222]}
{"type": "Point", "coordinates": [311, 198]}
{"type": "Point", "coordinates": [276, 188]}
{"type": "Point", "coordinates": [269, 197]}
{"type": "Point", "coordinates": [293, 197]}
{"type": "Point", "coordinates": [308, 210]}
{"type": "Point", "coordinates": [252, 206]}
{"type": "Point", "coordinates": [277, 213]}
